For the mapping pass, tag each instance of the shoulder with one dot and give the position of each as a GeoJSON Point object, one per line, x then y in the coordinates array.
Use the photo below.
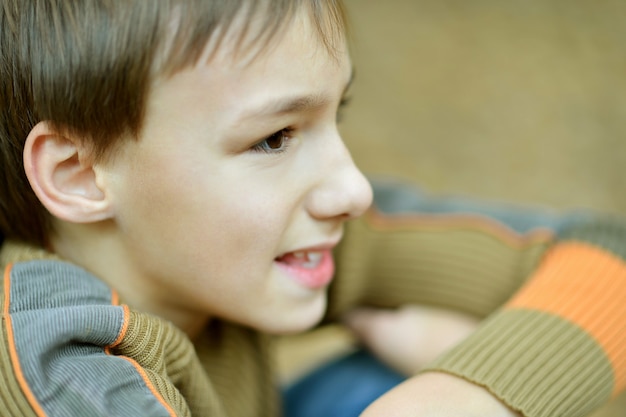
{"type": "Point", "coordinates": [59, 323]}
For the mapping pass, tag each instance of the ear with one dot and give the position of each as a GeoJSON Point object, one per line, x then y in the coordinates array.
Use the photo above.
{"type": "Point", "coordinates": [63, 176]}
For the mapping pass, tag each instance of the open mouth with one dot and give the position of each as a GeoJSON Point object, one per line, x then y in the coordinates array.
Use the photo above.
{"type": "Point", "coordinates": [312, 269]}
{"type": "Point", "coordinates": [302, 259]}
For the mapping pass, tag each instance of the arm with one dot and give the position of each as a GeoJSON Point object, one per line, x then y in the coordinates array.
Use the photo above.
{"type": "Point", "coordinates": [438, 395]}
{"type": "Point", "coordinates": [412, 248]}
{"type": "Point", "coordinates": [532, 352]}
{"type": "Point", "coordinates": [560, 338]}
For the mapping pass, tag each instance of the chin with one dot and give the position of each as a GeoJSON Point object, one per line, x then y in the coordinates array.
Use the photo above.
{"type": "Point", "coordinates": [296, 320]}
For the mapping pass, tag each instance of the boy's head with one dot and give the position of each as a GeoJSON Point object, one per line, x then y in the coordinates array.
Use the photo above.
{"type": "Point", "coordinates": [87, 67]}
{"type": "Point", "coordinates": [184, 151]}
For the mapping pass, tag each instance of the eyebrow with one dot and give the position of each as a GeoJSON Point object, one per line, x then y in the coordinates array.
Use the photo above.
{"type": "Point", "coordinates": [295, 104]}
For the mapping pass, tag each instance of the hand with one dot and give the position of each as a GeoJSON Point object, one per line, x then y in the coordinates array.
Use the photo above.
{"type": "Point", "coordinates": [434, 394]}
{"type": "Point", "coordinates": [409, 338]}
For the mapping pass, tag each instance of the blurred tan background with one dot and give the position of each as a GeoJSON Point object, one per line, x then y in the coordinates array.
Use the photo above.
{"type": "Point", "coordinates": [516, 100]}
{"type": "Point", "coordinates": [523, 100]}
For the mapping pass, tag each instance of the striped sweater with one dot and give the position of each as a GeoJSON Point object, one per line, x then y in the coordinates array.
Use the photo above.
{"type": "Point", "coordinates": [550, 287]}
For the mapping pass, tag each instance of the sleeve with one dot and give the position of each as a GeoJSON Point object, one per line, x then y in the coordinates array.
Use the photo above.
{"type": "Point", "coordinates": [448, 252]}
{"type": "Point", "coordinates": [64, 349]}
{"type": "Point", "coordinates": [74, 379]}
{"type": "Point", "coordinates": [550, 285]}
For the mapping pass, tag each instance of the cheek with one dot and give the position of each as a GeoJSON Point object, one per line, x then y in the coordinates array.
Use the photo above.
{"type": "Point", "coordinates": [203, 221]}
{"type": "Point", "coordinates": [157, 203]}
{"type": "Point", "coordinates": [204, 211]}
{"type": "Point", "coordinates": [165, 185]}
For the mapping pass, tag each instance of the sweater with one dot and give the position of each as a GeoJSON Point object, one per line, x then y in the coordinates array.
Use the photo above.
{"type": "Point", "coordinates": [550, 288]}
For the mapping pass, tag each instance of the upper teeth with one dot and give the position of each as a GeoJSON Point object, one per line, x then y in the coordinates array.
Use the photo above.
{"type": "Point", "coordinates": [310, 258]}
{"type": "Point", "coordinates": [314, 256]}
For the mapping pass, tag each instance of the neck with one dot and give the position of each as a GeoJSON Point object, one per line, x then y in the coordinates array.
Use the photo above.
{"type": "Point", "coordinates": [95, 248]}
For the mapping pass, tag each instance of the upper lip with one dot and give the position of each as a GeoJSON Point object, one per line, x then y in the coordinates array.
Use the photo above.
{"type": "Point", "coordinates": [329, 245]}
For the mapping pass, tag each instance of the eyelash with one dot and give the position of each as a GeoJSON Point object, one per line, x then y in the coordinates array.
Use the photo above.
{"type": "Point", "coordinates": [262, 146]}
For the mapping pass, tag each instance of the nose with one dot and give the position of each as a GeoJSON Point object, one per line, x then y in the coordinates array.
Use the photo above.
{"type": "Point", "coordinates": [343, 191]}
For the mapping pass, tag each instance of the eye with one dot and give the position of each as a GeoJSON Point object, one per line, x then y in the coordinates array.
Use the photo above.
{"type": "Point", "coordinates": [275, 143]}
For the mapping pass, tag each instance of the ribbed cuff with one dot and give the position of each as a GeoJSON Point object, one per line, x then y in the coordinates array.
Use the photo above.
{"type": "Point", "coordinates": [534, 362]}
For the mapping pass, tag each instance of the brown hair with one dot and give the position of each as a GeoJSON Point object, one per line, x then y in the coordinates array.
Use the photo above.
{"type": "Point", "coordinates": [86, 67]}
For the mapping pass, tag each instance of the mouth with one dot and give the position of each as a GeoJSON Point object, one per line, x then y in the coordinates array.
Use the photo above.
{"type": "Point", "coordinates": [305, 259]}
{"type": "Point", "coordinates": [310, 268]}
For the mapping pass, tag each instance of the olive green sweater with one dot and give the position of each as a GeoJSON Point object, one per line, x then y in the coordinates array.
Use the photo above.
{"type": "Point", "coordinates": [553, 342]}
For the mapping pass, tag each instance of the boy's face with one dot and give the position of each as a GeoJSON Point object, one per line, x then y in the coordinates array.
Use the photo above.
{"type": "Point", "coordinates": [216, 221]}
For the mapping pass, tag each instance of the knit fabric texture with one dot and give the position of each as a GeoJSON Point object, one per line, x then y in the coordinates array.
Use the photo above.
{"type": "Point", "coordinates": [550, 288]}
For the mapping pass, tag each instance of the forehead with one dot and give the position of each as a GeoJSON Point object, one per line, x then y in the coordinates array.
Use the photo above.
{"type": "Point", "coordinates": [297, 39]}
{"type": "Point", "coordinates": [245, 30]}
{"type": "Point", "coordinates": [229, 87]}
{"type": "Point", "coordinates": [246, 49]}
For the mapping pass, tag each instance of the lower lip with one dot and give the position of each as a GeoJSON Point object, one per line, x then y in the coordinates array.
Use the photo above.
{"type": "Point", "coordinates": [313, 278]}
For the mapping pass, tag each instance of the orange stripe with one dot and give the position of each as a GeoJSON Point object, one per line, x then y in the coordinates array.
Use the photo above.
{"type": "Point", "coordinates": [120, 336]}
{"type": "Point", "coordinates": [411, 221]}
{"type": "Point", "coordinates": [586, 286]}
{"type": "Point", "coordinates": [151, 387]}
{"type": "Point", "coordinates": [136, 365]}
{"type": "Point", "coordinates": [115, 298]}
{"type": "Point", "coordinates": [7, 289]}
{"type": "Point", "coordinates": [19, 375]}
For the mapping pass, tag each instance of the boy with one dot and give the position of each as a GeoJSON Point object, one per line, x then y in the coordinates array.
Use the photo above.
{"type": "Point", "coordinates": [183, 186]}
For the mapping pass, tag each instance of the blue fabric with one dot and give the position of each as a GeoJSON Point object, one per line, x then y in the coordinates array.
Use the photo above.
{"type": "Point", "coordinates": [62, 319]}
{"type": "Point", "coordinates": [342, 388]}
{"type": "Point", "coordinates": [402, 197]}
